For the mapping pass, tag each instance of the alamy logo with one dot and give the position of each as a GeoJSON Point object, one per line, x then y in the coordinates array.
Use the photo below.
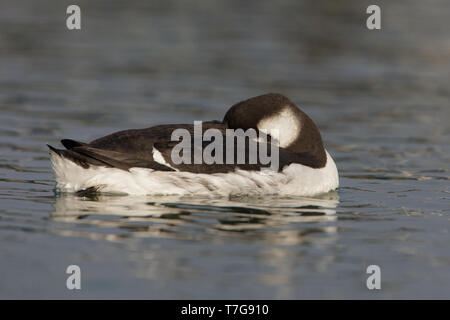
{"type": "Point", "coordinates": [237, 151]}
{"type": "Point", "coordinates": [374, 20]}
{"type": "Point", "coordinates": [73, 21]}
{"type": "Point", "coordinates": [74, 280]}
{"type": "Point", "coordinates": [373, 281]}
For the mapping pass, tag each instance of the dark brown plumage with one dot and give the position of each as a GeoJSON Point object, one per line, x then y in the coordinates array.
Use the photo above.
{"type": "Point", "coordinates": [134, 148]}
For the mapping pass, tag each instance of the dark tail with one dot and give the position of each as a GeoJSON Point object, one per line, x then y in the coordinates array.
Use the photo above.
{"type": "Point", "coordinates": [75, 157]}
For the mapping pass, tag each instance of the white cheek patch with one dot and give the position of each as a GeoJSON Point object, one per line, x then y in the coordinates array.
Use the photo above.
{"type": "Point", "coordinates": [287, 124]}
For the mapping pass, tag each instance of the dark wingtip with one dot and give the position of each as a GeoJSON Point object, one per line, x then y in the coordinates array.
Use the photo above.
{"type": "Point", "coordinates": [53, 149]}
{"type": "Point", "coordinates": [68, 154]}
{"type": "Point", "coordinates": [69, 143]}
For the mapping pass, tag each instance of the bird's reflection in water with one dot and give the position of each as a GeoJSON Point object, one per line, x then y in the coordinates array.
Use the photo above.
{"type": "Point", "coordinates": [268, 240]}
{"type": "Point", "coordinates": [267, 218]}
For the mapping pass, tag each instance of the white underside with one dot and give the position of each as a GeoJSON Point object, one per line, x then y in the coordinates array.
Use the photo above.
{"type": "Point", "coordinates": [295, 179]}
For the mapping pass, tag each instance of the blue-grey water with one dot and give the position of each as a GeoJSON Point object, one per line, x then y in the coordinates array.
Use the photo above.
{"type": "Point", "coordinates": [380, 98]}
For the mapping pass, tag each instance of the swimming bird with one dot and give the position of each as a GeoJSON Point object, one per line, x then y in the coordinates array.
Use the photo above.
{"type": "Point", "coordinates": [141, 161]}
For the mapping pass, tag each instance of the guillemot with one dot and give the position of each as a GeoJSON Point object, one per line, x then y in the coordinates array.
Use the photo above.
{"type": "Point", "coordinates": [142, 161]}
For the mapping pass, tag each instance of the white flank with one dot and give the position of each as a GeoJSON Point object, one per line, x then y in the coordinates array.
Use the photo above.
{"type": "Point", "coordinates": [287, 124]}
{"type": "Point", "coordinates": [295, 179]}
{"type": "Point", "coordinates": [158, 157]}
